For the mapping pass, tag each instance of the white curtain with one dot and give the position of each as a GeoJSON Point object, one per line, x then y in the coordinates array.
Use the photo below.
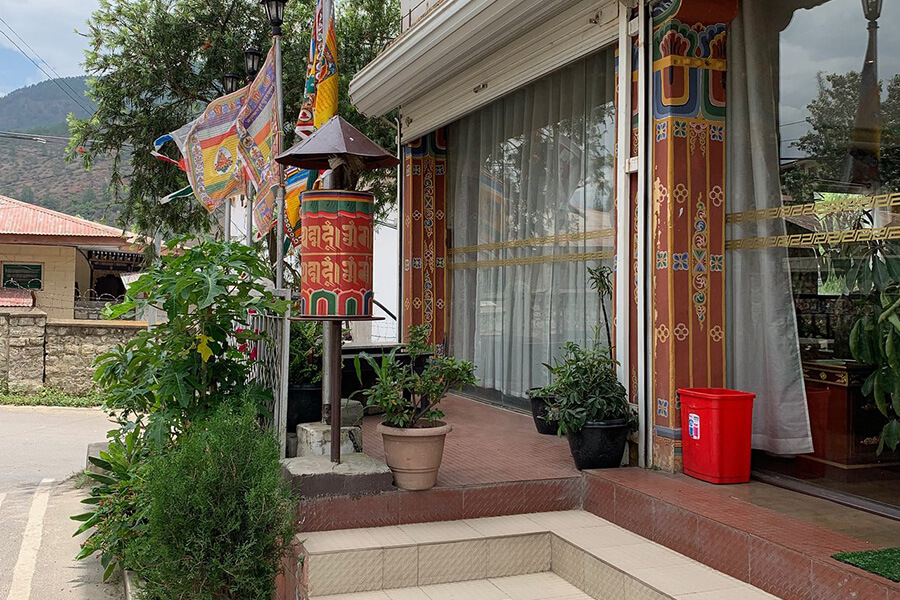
{"type": "Point", "coordinates": [762, 341]}
{"type": "Point", "coordinates": [531, 185]}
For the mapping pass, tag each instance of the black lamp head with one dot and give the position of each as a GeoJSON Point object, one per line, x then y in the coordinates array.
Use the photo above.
{"type": "Point", "coordinates": [231, 82]}
{"type": "Point", "coordinates": [275, 13]}
{"type": "Point", "coordinates": [872, 8]}
{"type": "Point", "coordinates": [252, 61]}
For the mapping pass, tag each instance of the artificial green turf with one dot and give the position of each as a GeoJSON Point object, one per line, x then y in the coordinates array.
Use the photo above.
{"type": "Point", "coordinates": [881, 562]}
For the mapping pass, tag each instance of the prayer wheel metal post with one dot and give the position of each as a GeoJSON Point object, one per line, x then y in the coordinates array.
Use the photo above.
{"type": "Point", "coordinates": [332, 383]}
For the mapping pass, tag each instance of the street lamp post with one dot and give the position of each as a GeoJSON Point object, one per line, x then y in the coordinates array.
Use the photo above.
{"type": "Point", "coordinates": [252, 64]}
{"type": "Point", "coordinates": [275, 13]}
{"type": "Point", "coordinates": [231, 82]}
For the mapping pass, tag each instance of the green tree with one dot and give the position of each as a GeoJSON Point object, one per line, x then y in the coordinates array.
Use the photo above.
{"type": "Point", "coordinates": [154, 65]}
{"type": "Point", "coordinates": [27, 194]}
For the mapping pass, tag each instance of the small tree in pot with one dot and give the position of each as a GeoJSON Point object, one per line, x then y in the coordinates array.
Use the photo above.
{"type": "Point", "coordinates": [588, 402]}
{"type": "Point", "coordinates": [412, 431]}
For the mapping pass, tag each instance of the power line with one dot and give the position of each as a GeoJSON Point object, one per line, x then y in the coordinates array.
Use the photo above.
{"type": "Point", "coordinates": [42, 139]}
{"type": "Point", "coordinates": [41, 58]}
{"type": "Point", "coordinates": [72, 97]}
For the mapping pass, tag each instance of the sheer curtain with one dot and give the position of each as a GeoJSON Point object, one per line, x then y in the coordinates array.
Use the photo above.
{"type": "Point", "coordinates": [531, 201]}
{"type": "Point", "coordinates": [762, 340]}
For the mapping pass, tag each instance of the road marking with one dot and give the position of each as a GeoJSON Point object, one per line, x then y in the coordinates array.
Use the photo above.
{"type": "Point", "coordinates": [2, 498]}
{"type": "Point", "coordinates": [31, 543]}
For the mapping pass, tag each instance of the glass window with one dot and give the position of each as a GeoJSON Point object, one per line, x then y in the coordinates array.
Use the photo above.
{"type": "Point", "coordinates": [532, 191]}
{"type": "Point", "coordinates": [22, 276]}
{"type": "Point", "coordinates": [814, 235]}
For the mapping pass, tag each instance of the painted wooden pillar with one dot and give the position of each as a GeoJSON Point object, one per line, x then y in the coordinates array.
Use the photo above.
{"type": "Point", "coordinates": [424, 277]}
{"type": "Point", "coordinates": [688, 221]}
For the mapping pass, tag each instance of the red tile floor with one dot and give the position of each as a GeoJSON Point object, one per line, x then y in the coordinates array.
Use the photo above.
{"type": "Point", "coordinates": [516, 452]}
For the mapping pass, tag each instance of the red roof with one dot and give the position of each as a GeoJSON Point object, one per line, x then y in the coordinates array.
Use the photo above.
{"type": "Point", "coordinates": [17, 298]}
{"type": "Point", "coordinates": [21, 222]}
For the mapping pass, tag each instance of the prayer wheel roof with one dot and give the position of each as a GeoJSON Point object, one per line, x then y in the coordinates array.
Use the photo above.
{"type": "Point", "coordinates": [337, 137]}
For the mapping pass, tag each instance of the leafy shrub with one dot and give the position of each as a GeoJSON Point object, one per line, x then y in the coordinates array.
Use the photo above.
{"type": "Point", "coordinates": [221, 514]}
{"type": "Point", "coordinates": [53, 397]}
{"type": "Point", "coordinates": [178, 371]}
{"type": "Point", "coordinates": [408, 392]}
{"type": "Point", "coordinates": [306, 353]}
{"type": "Point", "coordinates": [120, 505]}
{"type": "Point", "coordinates": [585, 388]}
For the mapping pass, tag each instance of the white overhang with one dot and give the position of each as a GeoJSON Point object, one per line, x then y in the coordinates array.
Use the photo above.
{"type": "Point", "coordinates": [450, 37]}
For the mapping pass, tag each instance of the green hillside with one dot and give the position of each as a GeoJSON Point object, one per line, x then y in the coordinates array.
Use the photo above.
{"type": "Point", "coordinates": [34, 169]}
{"type": "Point", "coordinates": [44, 105]}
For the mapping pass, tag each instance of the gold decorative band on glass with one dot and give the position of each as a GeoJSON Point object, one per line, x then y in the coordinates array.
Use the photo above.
{"type": "Point", "coordinates": [533, 260]}
{"type": "Point", "coordinates": [823, 207]}
{"type": "Point", "coordinates": [580, 236]}
{"type": "Point", "coordinates": [811, 240]}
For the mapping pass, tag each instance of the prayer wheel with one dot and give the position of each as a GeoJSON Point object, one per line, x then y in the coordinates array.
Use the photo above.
{"type": "Point", "coordinates": [337, 229]}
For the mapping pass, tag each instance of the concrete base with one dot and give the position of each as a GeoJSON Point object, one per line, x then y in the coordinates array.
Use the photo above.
{"type": "Point", "coordinates": [351, 413]}
{"type": "Point", "coordinates": [314, 439]}
{"type": "Point", "coordinates": [358, 474]}
{"type": "Point", "coordinates": [94, 449]}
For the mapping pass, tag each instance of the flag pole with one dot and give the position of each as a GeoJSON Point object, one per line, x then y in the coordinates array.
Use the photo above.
{"type": "Point", "coordinates": [279, 194]}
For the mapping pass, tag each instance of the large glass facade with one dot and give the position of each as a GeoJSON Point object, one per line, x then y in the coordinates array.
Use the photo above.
{"type": "Point", "coordinates": [531, 193]}
{"type": "Point", "coordinates": [814, 238]}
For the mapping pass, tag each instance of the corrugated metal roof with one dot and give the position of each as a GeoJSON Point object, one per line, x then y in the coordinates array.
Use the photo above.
{"type": "Point", "coordinates": [21, 218]}
{"type": "Point", "coordinates": [15, 297]}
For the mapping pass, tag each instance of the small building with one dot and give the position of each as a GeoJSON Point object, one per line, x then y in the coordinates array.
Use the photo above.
{"type": "Point", "coordinates": [65, 266]}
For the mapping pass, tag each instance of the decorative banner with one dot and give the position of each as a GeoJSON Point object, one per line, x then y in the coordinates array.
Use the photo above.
{"type": "Point", "coordinates": [336, 253]}
{"type": "Point", "coordinates": [320, 103]}
{"type": "Point", "coordinates": [211, 151]}
{"type": "Point", "coordinates": [326, 64]}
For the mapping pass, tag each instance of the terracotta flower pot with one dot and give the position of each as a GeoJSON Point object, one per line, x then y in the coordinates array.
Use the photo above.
{"type": "Point", "coordinates": [414, 455]}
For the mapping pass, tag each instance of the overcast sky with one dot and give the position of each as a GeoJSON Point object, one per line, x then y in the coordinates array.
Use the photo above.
{"type": "Point", "coordinates": [48, 26]}
{"type": "Point", "coordinates": [830, 38]}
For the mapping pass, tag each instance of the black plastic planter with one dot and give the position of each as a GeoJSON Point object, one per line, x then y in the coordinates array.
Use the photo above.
{"type": "Point", "coordinates": [539, 412]}
{"type": "Point", "coordinates": [304, 405]}
{"type": "Point", "coordinates": [599, 444]}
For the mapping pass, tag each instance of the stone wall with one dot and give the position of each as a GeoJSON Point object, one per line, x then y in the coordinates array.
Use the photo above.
{"type": "Point", "coordinates": [36, 352]}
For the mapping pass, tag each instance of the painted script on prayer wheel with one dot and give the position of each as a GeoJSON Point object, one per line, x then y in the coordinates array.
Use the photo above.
{"type": "Point", "coordinates": [336, 229]}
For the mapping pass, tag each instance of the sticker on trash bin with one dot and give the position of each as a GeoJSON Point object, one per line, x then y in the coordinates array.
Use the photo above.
{"type": "Point", "coordinates": [694, 426]}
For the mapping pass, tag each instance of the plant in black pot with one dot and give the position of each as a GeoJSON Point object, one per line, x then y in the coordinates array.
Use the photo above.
{"type": "Point", "coordinates": [590, 405]}
{"type": "Point", "coordinates": [587, 401]}
{"type": "Point", "coordinates": [305, 374]}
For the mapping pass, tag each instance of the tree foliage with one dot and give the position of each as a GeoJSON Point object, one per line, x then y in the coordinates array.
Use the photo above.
{"type": "Point", "coordinates": [154, 65]}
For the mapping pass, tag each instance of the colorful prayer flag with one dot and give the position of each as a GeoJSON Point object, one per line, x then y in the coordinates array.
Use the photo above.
{"type": "Point", "coordinates": [212, 152]}
{"type": "Point", "coordinates": [320, 103]}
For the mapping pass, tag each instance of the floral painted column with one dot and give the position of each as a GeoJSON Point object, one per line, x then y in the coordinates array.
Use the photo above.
{"type": "Point", "coordinates": [424, 275]}
{"type": "Point", "coordinates": [688, 223]}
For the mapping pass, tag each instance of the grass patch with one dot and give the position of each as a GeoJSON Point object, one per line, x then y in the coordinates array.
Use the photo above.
{"type": "Point", "coordinates": [881, 562]}
{"type": "Point", "coordinates": [52, 397]}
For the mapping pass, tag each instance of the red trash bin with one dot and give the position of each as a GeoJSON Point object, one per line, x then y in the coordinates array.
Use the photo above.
{"type": "Point", "coordinates": [715, 434]}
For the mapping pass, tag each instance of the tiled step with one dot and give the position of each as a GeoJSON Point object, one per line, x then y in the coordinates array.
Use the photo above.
{"type": "Point", "coordinates": [595, 557]}
{"type": "Point", "coordinates": [537, 586]}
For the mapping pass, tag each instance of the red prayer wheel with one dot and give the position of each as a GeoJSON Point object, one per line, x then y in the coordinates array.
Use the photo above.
{"type": "Point", "coordinates": [337, 229]}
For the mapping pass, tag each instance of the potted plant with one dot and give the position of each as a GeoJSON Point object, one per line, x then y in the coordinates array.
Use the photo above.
{"type": "Point", "coordinates": [305, 374]}
{"type": "Point", "coordinates": [541, 408]}
{"type": "Point", "coordinates": [589, 404]}
{"type": "Point", "coordinates": [411, 428]}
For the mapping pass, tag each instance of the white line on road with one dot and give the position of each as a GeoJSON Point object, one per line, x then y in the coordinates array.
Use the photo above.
{"type": "Point", "coordinates": [31, 543]}
{"type": "Point", "coordinates": [2, 498]}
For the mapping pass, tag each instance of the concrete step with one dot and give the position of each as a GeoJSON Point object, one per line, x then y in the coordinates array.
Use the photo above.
{"type": "Point", "coordinates": [593, 557]}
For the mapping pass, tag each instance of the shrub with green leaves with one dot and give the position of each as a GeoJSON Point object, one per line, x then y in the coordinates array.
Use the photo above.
{"type": "Point", "coordinates": [305, 367]}
{"type": "Point", "coordinates": [221, 514]}
{"type": "Point", "coordinates": [120, 502]}
{"type": "Point", "coordinates": [179, 370]}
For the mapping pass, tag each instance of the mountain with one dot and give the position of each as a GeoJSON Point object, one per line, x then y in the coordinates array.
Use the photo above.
{"type": "Point", "coordinates": [44, 105]}
{"type": "Point", "coordinates": [33, 168]}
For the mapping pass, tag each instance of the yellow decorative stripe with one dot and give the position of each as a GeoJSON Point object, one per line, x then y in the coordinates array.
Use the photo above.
{"type": "Point", "coordinates": [711, 64]}
{"type": "Point", "coordinates": [532, 260]}
{"type": "Point", "coordinates": [823, 207]}
{"type": "Point", "coordinates": [538, 241]}
{"type": "Point", "coordinates": [804, 240]}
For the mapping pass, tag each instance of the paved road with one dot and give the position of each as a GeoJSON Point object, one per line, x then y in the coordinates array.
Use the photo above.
{"type": "Point", "coordinates": [40, 448]}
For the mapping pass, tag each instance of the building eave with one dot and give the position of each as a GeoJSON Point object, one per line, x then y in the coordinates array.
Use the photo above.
{"type": "Point", "coordinates": [451, 37]}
